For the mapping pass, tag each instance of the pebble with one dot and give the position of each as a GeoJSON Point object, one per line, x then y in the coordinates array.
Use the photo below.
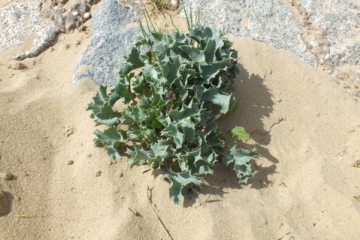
{"type": "Point", "coordinates": [86, 15]}
{"type": "Point", "coordinates": [98, 174]}
{"type": "Point", "coordinates": [174, 4]}
{"type": "Point", "coordinates": [6, 176]}
{"type": "Point", "coordinates": [70, 162]}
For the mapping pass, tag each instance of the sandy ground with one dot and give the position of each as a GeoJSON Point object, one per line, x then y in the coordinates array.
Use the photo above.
{"type": "Point", "coordinates": [304, 125]}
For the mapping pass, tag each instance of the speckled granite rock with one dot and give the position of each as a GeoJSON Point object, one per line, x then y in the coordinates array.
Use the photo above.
{"type": "Point", "coordinates": [341, 21]}
{"type": "Point", "coordinates": [320, 32]}
{"type": "Point", "coordinates": [283, 24]}
{"type": "Point", "coordinates": [110, 41]}
{"type": "Point", "coordinates": [18, 20]}
{"type": "Point", "coordinates": [266, 21]}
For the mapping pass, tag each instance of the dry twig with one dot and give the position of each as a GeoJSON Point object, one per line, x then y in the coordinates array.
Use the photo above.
{"type": "Point", "coordinates": [149, 195]}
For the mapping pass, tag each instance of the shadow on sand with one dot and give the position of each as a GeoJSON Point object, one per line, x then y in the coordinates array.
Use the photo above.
{"type": "Point", "coordinates": [254, 104]}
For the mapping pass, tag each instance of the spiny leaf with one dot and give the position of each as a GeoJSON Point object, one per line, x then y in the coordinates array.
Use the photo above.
{"type": "Point", "coordinates": [241, 159]}
{"type": "Point", "coordinates": [209, 71]}
{"type": "Point", "coordinates": [138, 155]}
{"type": "Point", "coordinates": [170, 70]}
{"type": "Point", "coordinates": [188, 128]}
{"type": "Point", "coordinates": [102, 111]}
{"type": "Point", "coordinates": [107, 116]}
{"type": "Point", "coordinates": [190, 110]}
{"type": "Point", "coordinates": [160, 152]}
{"type": "Point", "coordinates": [210, 51]}
{"type": "Point", "coordinates": [193, 53]}
{"type": "Point", "coordinates": [98, 102]}
{"type": "Point", "coordinates": [224, 101]}
{"type": "Point", "coordinates": [111, 138]}
{"type": "Point", "coordinates": [122, 90]}
{"type": "Point", "coordinates": [172, 132]}
{"type": "Point", "coordinates": [134, 61]}
{"type": "Point", "coordinates": [181, 184]}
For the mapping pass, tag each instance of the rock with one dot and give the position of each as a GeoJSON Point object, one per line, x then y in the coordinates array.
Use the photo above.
{"type": "Point", "coordinates": [174, 4]}
{"type": "Point", "coordinates": [321, 32]}
{"type": "Point", "coordinates": [18, 20]}
{"type": "Point", "coordinates": [341, 20]}
{"type": "Point", "coordinates": [67, 22]}
{"type": "Point", "coordinates": [274, 23]}
{"type": "Point", "coordinates": [70, 162]}
{"type": "Point", "coordinates": [269, 21]}
{"type": "Point", "coordinates": [86, 15]}
{"type": "Point", "coordinates": [348, 52]}
{"type": "Point", "coordinates": [110, 41]}
{"type": "Point", "coordinates": [6, 176]}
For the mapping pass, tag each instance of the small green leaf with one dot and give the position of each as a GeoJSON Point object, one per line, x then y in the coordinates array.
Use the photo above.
{"type": "Point", "coordinates": [240, 133]}
{"type": "Point", "coordinates": [357, 164]}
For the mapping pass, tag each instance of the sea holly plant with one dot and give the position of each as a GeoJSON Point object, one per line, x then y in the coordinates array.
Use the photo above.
{"type": "Point", "coordinates": [174, 86]}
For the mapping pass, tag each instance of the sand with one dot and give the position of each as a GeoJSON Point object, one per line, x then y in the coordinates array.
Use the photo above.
{"type": "Point", "coordinates": [305, 126]}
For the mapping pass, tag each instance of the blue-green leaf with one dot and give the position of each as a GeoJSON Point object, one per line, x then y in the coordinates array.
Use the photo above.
{"type": "Point", "coordinates": [138, 155]}
{"type": "Point", "coordinates": [224, 101]}
{"type": "Point", "coordinates": [134, 61]}
{"type": "Point", "coordinates": [193, 53]}
{"type": "Point", "coordinates": [172, 132]}
{"type": "Point", "coordinates": [111, 138]}
{"type": "Point", "coordinates": [209, 71]}
{"type": "Point", "coordinates": [98, 102]}
{"type": "Point", "coordinates": [181, 184]}
{"type": "Point", "coordinates": [241, 159]}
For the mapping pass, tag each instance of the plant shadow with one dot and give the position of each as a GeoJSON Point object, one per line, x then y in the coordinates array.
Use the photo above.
{"type": "Point", "coordinates": [254, 103]}
{"type": "Point", "coordinates": [6, 199]}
